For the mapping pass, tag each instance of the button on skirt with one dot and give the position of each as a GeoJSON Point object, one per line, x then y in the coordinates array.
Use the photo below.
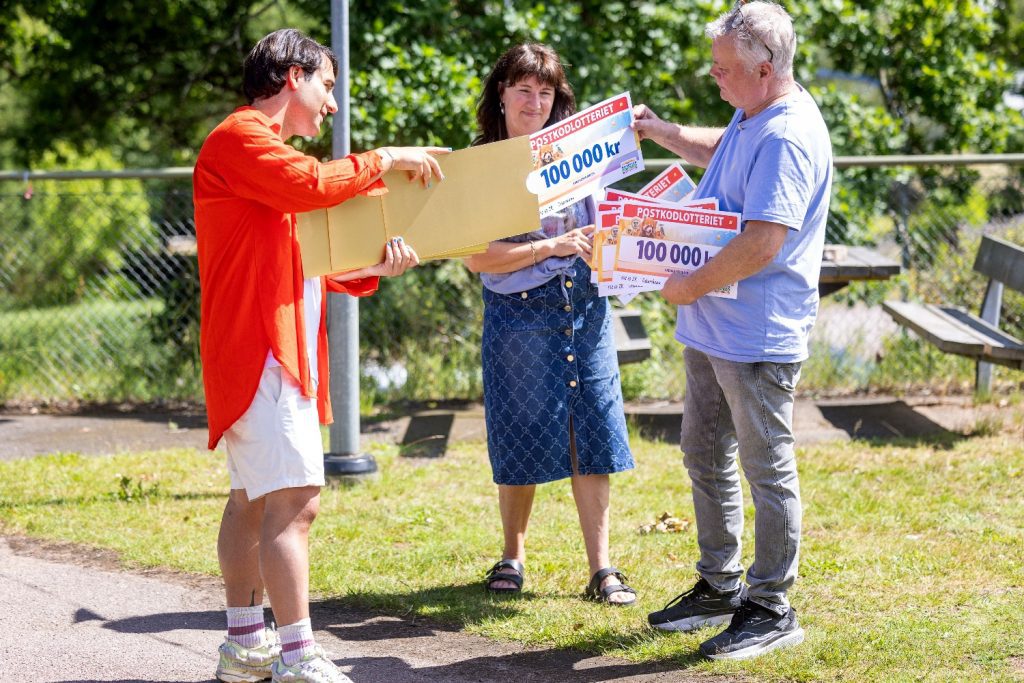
{"type": "Point", "coordinates": [549, 357]}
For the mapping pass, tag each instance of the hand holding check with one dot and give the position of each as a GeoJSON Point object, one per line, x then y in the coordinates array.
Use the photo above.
{"type": "Point", "coordinates": [645, 122]}
{"type": "Point", "coordinates": [578, 242]}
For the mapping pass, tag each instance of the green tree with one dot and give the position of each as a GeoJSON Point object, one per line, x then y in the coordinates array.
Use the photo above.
{"type": "Point", "coordinates": [939, 67]}
{"type": "Point", "coordinates": [401, 52]}
{"type": "Point", "coordinates": [148, 80]}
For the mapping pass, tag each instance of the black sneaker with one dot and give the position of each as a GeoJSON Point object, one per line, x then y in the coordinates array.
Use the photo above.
{"type": "Point", "coordinates": [753, 631]}
{"type": "Point", "coordinates": [700, 606]}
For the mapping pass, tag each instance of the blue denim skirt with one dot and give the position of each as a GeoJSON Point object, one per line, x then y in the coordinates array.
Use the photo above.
{"type": "Point", "coordinates": [549, 358]}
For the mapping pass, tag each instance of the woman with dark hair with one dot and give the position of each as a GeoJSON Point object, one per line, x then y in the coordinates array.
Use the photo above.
{"type": "Point", "coordinates": [552, 396]}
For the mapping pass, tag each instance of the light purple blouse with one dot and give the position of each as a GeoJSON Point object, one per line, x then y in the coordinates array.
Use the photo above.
{"type": "Point", "coordinates": [574, 216]}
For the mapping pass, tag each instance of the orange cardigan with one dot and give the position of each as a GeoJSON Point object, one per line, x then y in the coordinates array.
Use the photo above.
{"type": "Point", "coordinates": [247, 186]}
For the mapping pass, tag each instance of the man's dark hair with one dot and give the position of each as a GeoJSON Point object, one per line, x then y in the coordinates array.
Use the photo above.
{"type": "Point", "coordinates": [266, 68]}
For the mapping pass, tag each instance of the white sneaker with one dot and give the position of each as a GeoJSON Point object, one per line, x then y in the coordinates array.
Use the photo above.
{"type": "Point", "coordinates": [314, 668]}
{"type": "Point", "coordinates": [238, 664]}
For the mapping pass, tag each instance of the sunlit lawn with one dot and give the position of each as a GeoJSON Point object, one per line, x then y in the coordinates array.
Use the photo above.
{"type": "Point", "coordinates": [912, 563]}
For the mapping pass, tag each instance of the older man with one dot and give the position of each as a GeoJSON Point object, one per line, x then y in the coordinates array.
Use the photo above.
{"type": "Point", "coordinates": [772, 164]}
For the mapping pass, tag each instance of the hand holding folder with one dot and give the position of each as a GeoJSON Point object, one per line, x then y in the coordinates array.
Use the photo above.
{"type": "Point", "coordinates": [482, 198]}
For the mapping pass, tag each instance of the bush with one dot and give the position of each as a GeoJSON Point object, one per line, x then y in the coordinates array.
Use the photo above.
{"type": "Point", "coordinates": [62, 235]}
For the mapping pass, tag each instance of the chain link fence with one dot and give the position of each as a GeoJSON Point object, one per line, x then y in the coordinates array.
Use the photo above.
{"type": "Point", "coordinates": [99, 293]}
{"type": "Point", "coordinates": [97, 300]}
{"type": "Point", "coordinates": [929, 218]}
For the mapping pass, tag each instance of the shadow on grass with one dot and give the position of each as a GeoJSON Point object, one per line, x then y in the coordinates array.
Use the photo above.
{"type": "Point", "coordinates": [370, 617]}
{"type": "Point", "coordinates": [459, 606]}
{"type": "Point", "coordinates": [518, 667]}
{"type": "Point", "coordinates": [443, 653]}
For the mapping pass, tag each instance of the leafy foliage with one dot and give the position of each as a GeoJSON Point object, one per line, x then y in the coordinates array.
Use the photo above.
{"type": "Point", "coordinates": [937, 65]}
{"type": "Point", "coordinates": [148, 80]}
{"type": "Point", "coordinates": [142, 84]}
{"type": "Point", "coordinates": [53, 248]}
{"type": "Point", "coordinates": [935, 75]}
{"type": "Point", "coordinates": [655, 51]}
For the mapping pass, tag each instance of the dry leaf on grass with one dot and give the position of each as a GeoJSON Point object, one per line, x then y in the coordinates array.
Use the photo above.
{"type": "Point", "coordinates": [666, 524]}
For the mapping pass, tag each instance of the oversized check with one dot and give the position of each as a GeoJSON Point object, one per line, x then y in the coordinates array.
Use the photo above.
{"type": "Point", "coordinates": [606, 232]}
{"type": "Point", "coordinates": [656, 241]}
{"type": "Point", "coordinates": [584, 153]}
{"type": "Point", "coordinates": [605, 244]}
{"type": "Point", "coordinates": [671, 185]}
{"type": "Point", "coordinates": [613, 195]}
{"type": "Point", "coordinates": [605, 236]}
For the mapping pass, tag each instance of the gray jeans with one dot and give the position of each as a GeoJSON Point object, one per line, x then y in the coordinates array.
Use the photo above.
{"type": "Point", "coordinates": [746, 409]}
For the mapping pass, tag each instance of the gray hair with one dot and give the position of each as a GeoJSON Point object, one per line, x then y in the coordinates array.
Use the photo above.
{"type": "Point", "coordinates": [760, 28]}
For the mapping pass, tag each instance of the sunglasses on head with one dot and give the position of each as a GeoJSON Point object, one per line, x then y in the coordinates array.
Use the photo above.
{"type": "Point", "coordinates": [743, 18]}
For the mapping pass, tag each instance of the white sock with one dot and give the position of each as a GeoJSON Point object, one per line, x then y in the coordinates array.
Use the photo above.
{"type": "Point", "coordinates": [296, 641]}
{"type": "Point", "coordinates": [246, 626]}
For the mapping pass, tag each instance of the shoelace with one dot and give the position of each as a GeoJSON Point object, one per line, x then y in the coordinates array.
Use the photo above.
{"type": "Point", "coordinates": [740, 615]}
{"type": "Point", "coordinates": [322, 664]}
{"type": "Point", "coordinates": [696, 587]}
{"type": "Point", "coordinates": [324, 668]}
{"type": "Point", "coordinates": [680, 597]}
{"type": "Point", "coordinates": [743, 614]}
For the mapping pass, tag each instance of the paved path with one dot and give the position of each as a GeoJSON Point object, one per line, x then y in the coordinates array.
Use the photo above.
{"type": "Point", "coordinates": [82, 620]}
{"type": "Point", "coordinates": [24, 435]}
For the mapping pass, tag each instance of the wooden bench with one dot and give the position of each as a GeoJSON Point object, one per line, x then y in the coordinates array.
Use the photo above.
{"type": "Point", "coordinates": [631, 341]}
{"type": "Point", "coordinates": [954, 330]}
{"type": "Point", "coordinates": [843, 264]}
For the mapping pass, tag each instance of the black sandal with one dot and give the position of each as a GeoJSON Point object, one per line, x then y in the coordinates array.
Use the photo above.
{"type": "Point", "coordinates": [596, 593]}
{"type": "Point", "coordinates": [495, 574]}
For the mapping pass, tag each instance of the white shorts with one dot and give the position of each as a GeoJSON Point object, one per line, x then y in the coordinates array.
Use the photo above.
{"type": "Point", "coordinates": [276, 444]}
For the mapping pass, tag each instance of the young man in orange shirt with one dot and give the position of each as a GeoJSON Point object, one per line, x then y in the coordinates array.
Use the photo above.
{"type": "Point", "coordinates": [264, 342]}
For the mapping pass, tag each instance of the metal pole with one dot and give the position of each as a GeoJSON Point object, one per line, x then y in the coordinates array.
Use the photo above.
{"type": "Point", "coordinates": [344, 457]}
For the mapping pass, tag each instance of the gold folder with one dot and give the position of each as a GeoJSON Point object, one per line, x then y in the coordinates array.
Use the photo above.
{"type": "Point", "coordinates": [482, 198]}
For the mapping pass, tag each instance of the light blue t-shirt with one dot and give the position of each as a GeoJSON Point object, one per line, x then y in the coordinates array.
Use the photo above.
{"type": "Point", "coordinates": [777, 167]}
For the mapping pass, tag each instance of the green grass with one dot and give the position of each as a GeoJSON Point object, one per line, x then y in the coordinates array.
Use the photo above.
{"type": "Point", "coordinates": [912, 563]}
{"type": "Point", "coordinates": [92, 351]}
